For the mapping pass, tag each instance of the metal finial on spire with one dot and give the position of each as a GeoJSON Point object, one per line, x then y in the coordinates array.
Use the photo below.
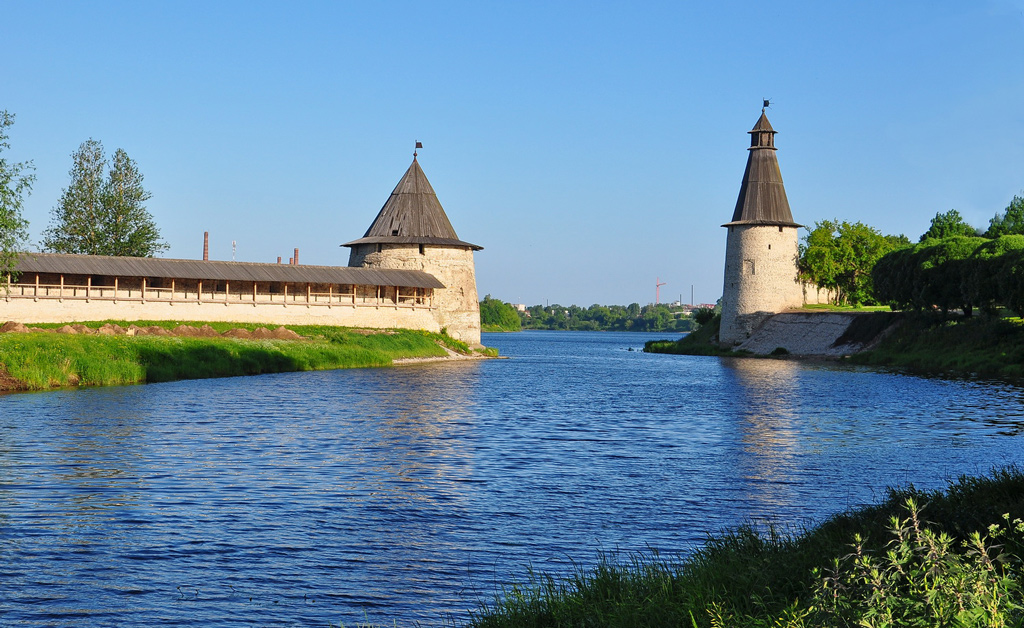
{"type": "Point", "coordinates": [418, 146]}
{"type": "Point", "coordinates": [767, 103]}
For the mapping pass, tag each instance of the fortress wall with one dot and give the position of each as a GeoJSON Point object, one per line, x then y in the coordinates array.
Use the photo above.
{"type": "Point", "coordinates": [816, 333]}
{"type": "Point", "coordinates": [814, 295]}
{"type": "Point", "coordinates": [28, 311]}
{"type": "Point", "coordinates": [760, 278]}
{"type": "Point", "coordinates": [458, 307]}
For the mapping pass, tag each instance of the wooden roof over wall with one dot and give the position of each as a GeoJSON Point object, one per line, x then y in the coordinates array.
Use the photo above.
{"type": "Point", "coordinates": [220, 271]}
{"type": "Point", "coordinates": [412, 215]}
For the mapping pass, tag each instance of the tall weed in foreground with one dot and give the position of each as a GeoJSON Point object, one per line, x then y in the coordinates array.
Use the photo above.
{"type": "Point", "coordinates": [924, 578]}
{"type": "Point", "coordinates": [921, 578]}
{"type": "Point", "coordinates": [962, 568]}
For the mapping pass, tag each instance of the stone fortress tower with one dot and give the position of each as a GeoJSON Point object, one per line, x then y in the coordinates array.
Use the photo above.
{"type": "Point", "coordinates": [412, 232]}
{"type": "Point", "coordinates": [761, 248]}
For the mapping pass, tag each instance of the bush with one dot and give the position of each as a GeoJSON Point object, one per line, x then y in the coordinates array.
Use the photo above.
{"type": "Point", "coordinates": [703, 315]}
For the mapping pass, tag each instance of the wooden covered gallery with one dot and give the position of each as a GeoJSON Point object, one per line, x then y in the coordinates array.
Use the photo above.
{"type": "Point", "coordinates": [94, 287]}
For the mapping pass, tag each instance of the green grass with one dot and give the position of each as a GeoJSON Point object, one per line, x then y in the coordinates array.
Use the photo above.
{"type": "Point", "coordinates": [759, 578]}
{"type": "Point", "coordinates": [847, 308]}
{"type": "Point", "coordinates": [698, 342]}
{"type": "Point", "coordinates": [43, 360]}
{"type": "Point", "coordinates": [990, 347]}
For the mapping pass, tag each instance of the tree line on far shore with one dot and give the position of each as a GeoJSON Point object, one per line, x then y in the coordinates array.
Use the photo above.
{"type": "Point", "coordinates": [496, 315]}
{"type": "Point", "coordinates": [953, 265]}
{"type": "Point", "coordinates": [102, 211]}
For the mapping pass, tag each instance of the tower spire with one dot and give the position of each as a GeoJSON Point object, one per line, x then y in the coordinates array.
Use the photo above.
{"type": "Point", "coordinates": [762, 199]}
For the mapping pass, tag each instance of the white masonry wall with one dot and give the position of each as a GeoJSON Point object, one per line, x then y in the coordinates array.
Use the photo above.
{"type": "Point", "coordinates": [458, 307]}
{"type": "Point", "coordinates": [760, 278]}
{"type": "Point", "coordinates": [53, 310]}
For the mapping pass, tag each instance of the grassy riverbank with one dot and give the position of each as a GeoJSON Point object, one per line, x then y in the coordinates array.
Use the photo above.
{"type": "Point", "coordinates": [923, 343]}
{"type": "Point", "coordinates": [698, 342]}
{"type": "Point", "coordinates": [38, 361]}
{"type": "Point", "coordinates": [989, 347]}
{"type": "Point", "coordinates": [939, 572]}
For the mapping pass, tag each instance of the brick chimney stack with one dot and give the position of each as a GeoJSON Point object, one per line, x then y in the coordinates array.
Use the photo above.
{"type": "Point", "coordinates": [296, 257]}
{"type": "Point", "coordinates": [206, 246]}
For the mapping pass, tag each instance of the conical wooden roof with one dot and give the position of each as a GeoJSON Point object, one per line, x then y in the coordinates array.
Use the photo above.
{"type": "Point", "coordinates": [412, 215]}
{"type": "Point", "coordinates": [762, 199]}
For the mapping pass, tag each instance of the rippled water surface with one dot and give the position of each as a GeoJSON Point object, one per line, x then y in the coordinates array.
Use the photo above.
{"type": "Point", "coordinates": [408, 494]}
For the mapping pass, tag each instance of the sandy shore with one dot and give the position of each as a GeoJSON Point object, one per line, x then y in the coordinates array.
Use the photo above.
{"type": "Point", "coordinates": [451, 357]}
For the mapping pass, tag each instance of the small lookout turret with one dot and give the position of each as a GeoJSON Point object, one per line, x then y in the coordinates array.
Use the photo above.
{"type": "Point", "coordinates": [412, 232]}
{"type": "Point", "coordinates": [761, 276]}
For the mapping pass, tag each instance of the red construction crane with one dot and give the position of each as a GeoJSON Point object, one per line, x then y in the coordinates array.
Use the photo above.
{"type": "Point", "coordinates": [658, 283]}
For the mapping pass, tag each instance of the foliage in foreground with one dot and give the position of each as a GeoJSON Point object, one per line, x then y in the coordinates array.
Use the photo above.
{"type": "Point", "coordinates": [920, 558]}
{"type": "Point", "coordinates": [42, 360]}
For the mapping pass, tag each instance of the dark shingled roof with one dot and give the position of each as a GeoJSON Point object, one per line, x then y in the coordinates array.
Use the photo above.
{"type": "Point", "coordinates": [762, 199]}
{"type": "Point", "coordinates": [220, 271]}
{"type": "Point", "coordinates": [412, 215]}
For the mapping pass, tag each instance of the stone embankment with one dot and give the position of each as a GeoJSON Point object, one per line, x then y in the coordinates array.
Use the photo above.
{"type": "Point", "coordinates": [110, 329]}
{"type": "Point", "coordinates": [820, 333]}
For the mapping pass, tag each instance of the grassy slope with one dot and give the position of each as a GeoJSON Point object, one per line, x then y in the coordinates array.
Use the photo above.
{"type": "Point", "coordinates": [752, 575]}
{"type": "Point", "coordinates": [973, 346]}
{"type": "Point", "coordinates": [41, 360]}
{"type": "Point", "coordinates": [697, 342]}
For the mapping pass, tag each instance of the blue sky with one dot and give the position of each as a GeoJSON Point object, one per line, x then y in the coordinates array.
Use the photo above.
{"type": "Point", "coordinates": [590, 147]}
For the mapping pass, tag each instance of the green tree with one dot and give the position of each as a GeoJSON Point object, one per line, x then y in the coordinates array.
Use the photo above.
{"type": "Point", "coordinates": [839, 256]}
{"type": "Point", "coordinates": [1011, 222]}
{"type": "Point", "coordinates": [498, 315]}
{"type": "Point", "coordinates": [130, 229]}
{"type": "Point", "coordinates": [76, 220]}
{"type": "Point", "coordinates": [97, 216]}
{"type": "Point", "coordinates": [985, 268]}
{"type": "Point", "coordinates": [15, 184]}
{"type": "Point", "coordinates": [946, 225]}
{"type": "Point", "coordinates": [944, 269]}
{"type": "Point", "coordinates": [932, 274]}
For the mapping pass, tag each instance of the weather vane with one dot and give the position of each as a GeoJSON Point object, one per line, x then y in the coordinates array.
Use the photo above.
{"type": "Point", "coordinates": [418, 146]}
{"type": "Point", "coordinates": [767, 103]}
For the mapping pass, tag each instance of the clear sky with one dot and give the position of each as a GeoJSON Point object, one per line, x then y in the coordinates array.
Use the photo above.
{"type": "Point", "coordinates": [589, 147]}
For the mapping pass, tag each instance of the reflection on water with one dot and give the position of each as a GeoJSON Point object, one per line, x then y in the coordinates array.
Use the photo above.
{"type": "Point", "coordinates": [765, 390]}
{"type": "Point", "coordinates": [400, 495]}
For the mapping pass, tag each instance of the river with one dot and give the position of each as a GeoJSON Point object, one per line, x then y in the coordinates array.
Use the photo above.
{"type": "Point", "coordinates": [411, 494]}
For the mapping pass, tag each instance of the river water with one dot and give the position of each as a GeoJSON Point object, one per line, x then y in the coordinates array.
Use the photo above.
{"type": "Point", "coordinates": [411, 494]}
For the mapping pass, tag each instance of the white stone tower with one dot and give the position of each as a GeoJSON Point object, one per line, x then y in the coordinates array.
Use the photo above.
{"type": "Point", "coordinates": [412, 232]}
{"type": "Point", "coordinates": [761, 249]}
